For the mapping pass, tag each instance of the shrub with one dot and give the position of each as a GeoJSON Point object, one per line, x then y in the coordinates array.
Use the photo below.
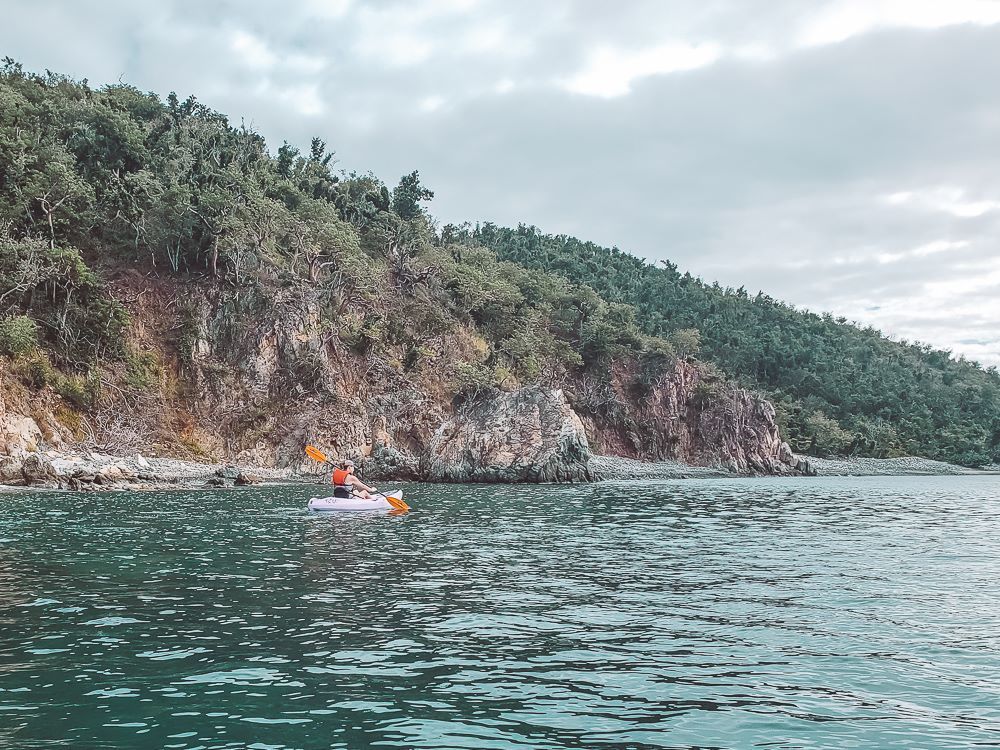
{"type": "Point", "coordinates": [827, 436]}
{"type": "Point", "coordinates": [474, 380]}
{"type": "Point", "coordinates": [307, 373]}
{"type": "Point", "coordinates": [82, 392]}
{"type": "Point", "coordinates": [188, 331]}
{"type": "Point", "coordinates": [658, 356]}
{"type": "Point", "coordinates": [18, 335]}
{"type": "Point", "coordinates": [365, 334]}
{"type": "Point", "coordinates": [141, 369]}
{"type": "Point", "coordinates": [36, 371]}
{"type": "Point", "coordinates": [686, 341]}
{"type": "Point", "coordinates": [705, 392]}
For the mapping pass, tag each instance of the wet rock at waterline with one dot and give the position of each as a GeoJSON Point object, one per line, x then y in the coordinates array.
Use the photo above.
{"type": "Point", "coordinates": [231, 476]}
{"type": "Point", "coordinates": [531, 435]}
{"type": "Point", "coordinates": [387, 462]}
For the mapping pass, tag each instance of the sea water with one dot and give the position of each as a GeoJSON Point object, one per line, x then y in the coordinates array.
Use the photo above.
{"type": "Point", "coordinates": [777, 613]}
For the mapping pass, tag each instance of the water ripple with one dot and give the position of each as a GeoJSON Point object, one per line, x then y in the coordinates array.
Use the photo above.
{"type": "Point", "coordinates": [698, 614]}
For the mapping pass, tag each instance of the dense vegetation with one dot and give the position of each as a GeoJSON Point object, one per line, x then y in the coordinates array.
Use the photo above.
{"type": "Point", "coordinates": [93, 181]}
{"type": "Point", "coordinates": [838, 387]}
{"type": "Point", "coordinates": [101, 180]}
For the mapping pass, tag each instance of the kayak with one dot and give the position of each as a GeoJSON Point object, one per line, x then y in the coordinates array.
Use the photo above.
{"type": "Point", "coordinates": [377, 502]}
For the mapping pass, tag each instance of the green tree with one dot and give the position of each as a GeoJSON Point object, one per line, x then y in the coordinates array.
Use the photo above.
{"type": "Point", "coordinates": [408, 195]}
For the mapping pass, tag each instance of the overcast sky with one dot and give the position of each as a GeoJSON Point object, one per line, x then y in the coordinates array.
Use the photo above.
{"type": "Point", "coordinates": [842, 155]}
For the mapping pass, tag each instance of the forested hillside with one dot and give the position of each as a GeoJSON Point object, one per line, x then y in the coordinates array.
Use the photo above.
{"type": "Point", "coordinates": [839, 388]}
{"type": "Point", "coordinates": [99, 184]}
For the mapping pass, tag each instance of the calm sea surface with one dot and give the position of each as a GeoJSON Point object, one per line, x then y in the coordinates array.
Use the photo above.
{"type": "Point", "coordinates": [820, 613]}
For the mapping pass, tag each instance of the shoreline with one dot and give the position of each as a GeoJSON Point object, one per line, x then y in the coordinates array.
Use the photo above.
{"type": "Point", "coordinates": [89, 471]}
{"type": "Point", "coordinates": [613, 468]}
{"type": "Point", "coordinates": [893, 467]}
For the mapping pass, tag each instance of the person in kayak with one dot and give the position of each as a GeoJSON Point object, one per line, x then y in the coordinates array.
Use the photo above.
{"type": "Point", "coordinates": [346, 484]}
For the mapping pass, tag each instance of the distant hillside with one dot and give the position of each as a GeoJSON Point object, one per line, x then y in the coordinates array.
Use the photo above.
{"type": "Point", "coordinates": [884, 398]}
{"type": "Point", "coordinates": [157, 263]}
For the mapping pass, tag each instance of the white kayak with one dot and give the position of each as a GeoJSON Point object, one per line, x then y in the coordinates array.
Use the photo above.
{"type": "Point", "coordinates": [377, 502]}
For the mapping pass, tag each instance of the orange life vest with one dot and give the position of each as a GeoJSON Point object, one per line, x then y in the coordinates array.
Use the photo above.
{"type": "Point", "coordinates": [340, 477]}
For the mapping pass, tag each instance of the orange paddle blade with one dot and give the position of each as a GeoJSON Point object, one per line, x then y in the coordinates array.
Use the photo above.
{"type": "Point", "coordinates": [396, 503]}
{"type": "Point", "coordinates": [316, 454]}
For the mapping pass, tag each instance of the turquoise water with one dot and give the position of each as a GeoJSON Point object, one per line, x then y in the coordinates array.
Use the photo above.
{"type": "Point", "coordinates": [703, 613]}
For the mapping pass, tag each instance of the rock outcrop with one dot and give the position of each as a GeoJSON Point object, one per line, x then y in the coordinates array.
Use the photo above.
{"type": "Point", "coordinates": [690, 416]}
{"type": "Point", "coordinates": [388, 462]}
{"type": "Point", "coordinates": [20, 438]}
{"type": "Point", "coordinates": [282, 380]}
{"type": "Point", "coordinates": [739, 432]}
{"type": "Point", "coordinates": [531, 435]}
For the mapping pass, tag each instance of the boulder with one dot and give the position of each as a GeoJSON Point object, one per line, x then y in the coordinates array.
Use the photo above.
{"type": "Point", "coordinates": [111, 473]}
{"type": "Point", "coordinates": [531, 435]}
{"type": "Point", "coordinates": [19, 435]}
{"type": "Point", "coordinates": [387, 462]}
{"type": "Point", "coordinates": [10, 470]}
{"type": "Point", "coordinates": [36, 469]}
{"type": "Point", "coordinates": [228, 473]}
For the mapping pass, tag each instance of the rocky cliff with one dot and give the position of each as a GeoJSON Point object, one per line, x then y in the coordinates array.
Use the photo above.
{"type": "Point", "coordinates": [531, 435]}
{"type": "Point", "coordinates": [251, 380]}
{"type": "Point", "coordinates": [405, 425]}
{"type": "Point", "coordinates": [686, 414]}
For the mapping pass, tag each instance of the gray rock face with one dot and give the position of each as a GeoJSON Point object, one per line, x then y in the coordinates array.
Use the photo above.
{"type": "Point", "coordinates": [20, 438]}
{"type": "Point", "coordinates": [36, 469]}
{"type": "Point", "coordinates": [387, 462]}
{"type": "Point", "coordinates": [740, 431]}
{"type": "Point", "coordinates": [531, 435]}
{"type": "Point", "coordinates": [693, 418]}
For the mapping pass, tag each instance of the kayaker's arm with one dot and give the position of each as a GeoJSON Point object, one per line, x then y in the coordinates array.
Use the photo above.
{"type": "Point", "coordinates": [358, 484]}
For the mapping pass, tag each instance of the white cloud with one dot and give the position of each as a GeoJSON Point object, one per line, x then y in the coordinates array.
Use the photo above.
{"type": "Point", "coordinates": [938, 246]}
{"type": "Point", "coordinates": [409, 34]}
{"type": "Point", "coordinates": [253, 52]}
{"type": "Point", "coordinates": [327, 9]}
{"type": "Point", "coordinates": [881, 257]}
{"type": "Point", "coordinates": [970, 210]}
{"type": "Point", "coordinates": [843, 19]}
{"type": "Point", "coordinates": [303, 98]}
{"type": "Point", "coordinates": [755, 52]}
{"type": "Point", "coordinates": [955, 290]}
{"type": "Point", "coordinates": [610, 72]}
{"type": "Point", "coordinates": [432, 103]}
{"type": "Point", "coordinates": [490, 39]}
{"type": "Point", "coordinates": [950, 200]}
{"type": "Point", "coordinates": [396, 48]}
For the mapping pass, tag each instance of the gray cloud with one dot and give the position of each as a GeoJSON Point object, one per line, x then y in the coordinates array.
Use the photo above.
{"type": "Point", "coordinates": [860, 177]}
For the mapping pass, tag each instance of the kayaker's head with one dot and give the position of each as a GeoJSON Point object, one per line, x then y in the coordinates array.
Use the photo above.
{"type": "Point", "coordinates": [349, 466]}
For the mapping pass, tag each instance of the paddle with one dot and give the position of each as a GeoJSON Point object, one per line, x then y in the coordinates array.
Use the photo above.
{"type": "Point", "coordinates": [317, 455]}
